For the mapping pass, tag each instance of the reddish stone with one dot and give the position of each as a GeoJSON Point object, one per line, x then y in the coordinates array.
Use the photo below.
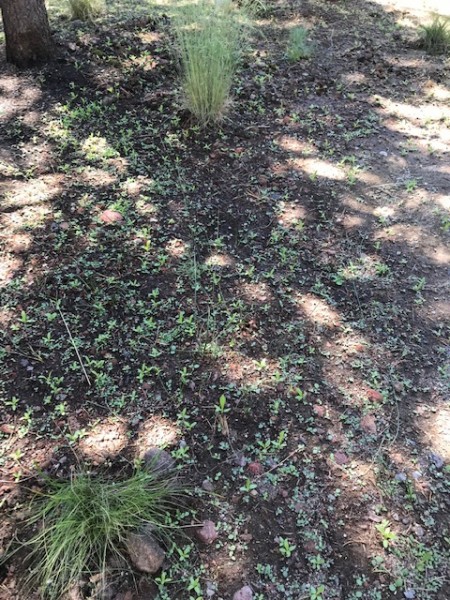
{"type": "Point", "coordinates": [375, 395]}
{"type": "Point", "coordinates": [207, 533]}
{"type": "Point", "coordinates": [255, 469]}
{"type": "Point", "coordinates": [111, 216]}
{"type": "Point", "coordinates": [368, 424]}
{"type": "Point", "coordinates": [319, 410]}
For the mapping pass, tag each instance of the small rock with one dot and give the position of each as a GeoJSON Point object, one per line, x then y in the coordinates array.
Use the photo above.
{"type": "Point", "coordinates": [158, 461]}
{"type": "Point", "coordinates": [374, 395]}
{"type": "Point", "coordinates": [207, 485]}
{"type": "Point", "coordinates": [319, 410]}
{"type": "Point", "coordinates": [255, 469]}
{"type": "Point", "coordinates": [111, 216]}
{"type": "Point", "coordinates": [437, 460]}
{"type": "Point", "coordinates": [245, 593]}
{"type": "Point", "coordinates": [145, 553]}
{"type": "Point", "coordinates": [341, 458]}
{"type": "Point", "coordinates": [207, 533]}
{"type": "Point", "coordinates": [401, 477]}
{"type": "Point", "coordinates": [419, 531]}
{"type": "Point", "coordinates": [310, 547]}
{"type": "Point", "coordinates": [64, 225]}
{"type": "Point", "coordinates": [410, 594]}
{"type": "Point", "coordinates": [368, 424]}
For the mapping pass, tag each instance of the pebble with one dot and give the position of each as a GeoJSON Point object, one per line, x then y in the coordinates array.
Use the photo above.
{"type": "Point", "coordinates": [158, 461]}
{"type": "Point", "coordinates": [341, 458]}
{"type": "Point", "coordinates": [145, 553]}
{"type": "Point", "coordinates": [207, 533]}
{"type": "Point", "coordinates": [245, 593]}
{"type": "Point", "coordinates": [207, 485]}
{"type": "Point", "coordinates": [437, 460]}
{"type": "Point", "coordinates": [319, 410]}
{"type": "Point", "coordinates": [368, 424]}
{"type": "Point", "coordinates": [111, 216]}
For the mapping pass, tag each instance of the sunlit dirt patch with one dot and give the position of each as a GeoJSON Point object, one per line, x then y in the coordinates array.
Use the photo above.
{"type": "Point", "coordinates": [9, 265]}
{"type": "Point", "coordinates": [435, 427]}
{"type": "Point", "coordinates": [177, 248]}
{"type": "Point", "coordinates": [155, 432]}
{"type": "Point", "coordinates": [291, 214]}
{"type": "Point", "coordinates": [32, 192]}
{"type": "Point", "coordinates": [256, 292]}
{"type": "Point", "coordinates": [219, 260]}
{"type": "Point", "coordinates": [104, 441]}
{"type": "Point", "coordinates": [316, 167]}
{"type": "Point", "coordinates": [317, 310]}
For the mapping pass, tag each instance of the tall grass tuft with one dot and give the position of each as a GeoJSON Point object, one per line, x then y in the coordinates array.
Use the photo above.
{"type": "Point", "coordinates": [435, 37]}
{"type": "Point", "coordinates": [209, 37]}
{"type": "Point", "coordinates": [86, 10]}
{"type": "Point", "coordinates": [83, 522]}
{"type": "Point", "coordinates": [298, 46]}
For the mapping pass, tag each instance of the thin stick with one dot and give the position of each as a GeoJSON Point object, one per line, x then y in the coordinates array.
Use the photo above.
{"type": "Point", "coordinates": [76, 349]}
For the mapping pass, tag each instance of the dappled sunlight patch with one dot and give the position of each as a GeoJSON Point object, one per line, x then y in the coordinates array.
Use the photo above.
{"type": "Point", "coordinates": [12, 88]}
{"type": "Point", "coordinates": [291, 214]}
{"type": "Point", "coordinates": [9, 265]}
{"type": "Point", "coordinates": [155, 432]}
{"type": "Point", "coordinates": [149, 37]}
{"type": "Point", "coordinates": [177, 247]}
{"type": "Point", "coordinates": [243, 370]}
{"type": "Point", "coordinates": [438, 92]}
{"type": "Point", "coordinates": [292, 144]}
{"type": "Point", "coordinates": [353, 221]}
{"type": "Point", "coordinates": [30, 217]}
{"type": "Point", "coordinates": [316, 167]}
{"type": "Point", "coordinates": [96, 176]}
{"type": "Point", "coordinates": [317, 310]}
{"type": "Point", "coordinates": [104, 441]}
{"type": "Point", "coordinates": [22, 454]}
{"type": "Point", "coordinates": [31, 192]}
{"type": "Point", "coordinates": [96, 147]}
{"type": "Point", "coordinates": [435, 428]}
{"type": "Point", "coordinates": [354, 78]}
{"type": "Point", "coordinates": [384, 212]}
{"type": "Point", "coordinates": [256, 292]}
{"type": "Point", "coordinates": [401, 110]}
{"type": "Point", "coordinates": [19, 243]}
{"type": "Point", "coordinates": [217, 259]}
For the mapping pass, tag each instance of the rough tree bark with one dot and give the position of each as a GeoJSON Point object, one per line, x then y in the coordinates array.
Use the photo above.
{"type": "Point", "coordinates": [27, 32]}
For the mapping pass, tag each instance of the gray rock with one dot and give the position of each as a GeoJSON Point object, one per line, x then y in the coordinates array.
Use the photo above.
{"type": "Point", "coordinates": [158, 461]}
{"type": "Point", "coordinates": [145, 553]}
{"type": "Point", "coordinates": [245, 593]}
{"type": "Point", "coordinates": [437, 460]}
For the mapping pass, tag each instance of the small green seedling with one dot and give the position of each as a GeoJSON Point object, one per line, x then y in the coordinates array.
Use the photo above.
{"type": "Point", "coordinates": [387, 535]}
{"type": "Point", "coordinates": [285, 547]}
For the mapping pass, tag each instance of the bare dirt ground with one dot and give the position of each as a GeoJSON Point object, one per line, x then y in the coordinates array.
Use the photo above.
{"type": "Point", "coordinates": [295, 260]}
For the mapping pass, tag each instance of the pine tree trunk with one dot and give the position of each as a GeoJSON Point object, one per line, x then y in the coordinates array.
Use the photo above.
{"type": "Point", "coordinates": [27, 31]}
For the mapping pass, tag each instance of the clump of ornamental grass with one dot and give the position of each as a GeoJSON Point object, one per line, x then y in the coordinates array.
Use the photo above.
{"type": "Point", "coordinates": [80, 524]}
{"type": "Point", "coordinates": [435, 38]}
{"type": "Point", "coordinates": [210, 38]}
{"type": "Point", "coordinates": [86, 10]}
{"type": "Point", "coordinates": [298, 46]}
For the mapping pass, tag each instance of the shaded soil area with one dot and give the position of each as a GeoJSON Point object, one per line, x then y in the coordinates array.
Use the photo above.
{"type": "Point", "coordinates": [293, 260]}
